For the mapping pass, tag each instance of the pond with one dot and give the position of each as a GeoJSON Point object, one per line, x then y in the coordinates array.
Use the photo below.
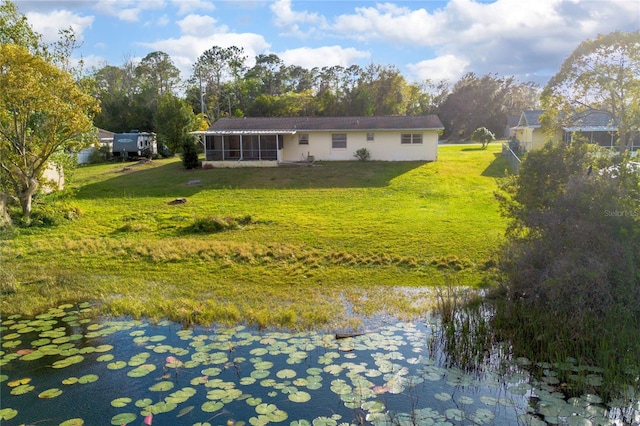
{"type": "Point", "coordinates": [67, 367]}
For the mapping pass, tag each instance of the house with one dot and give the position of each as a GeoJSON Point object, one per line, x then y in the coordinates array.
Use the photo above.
{"type": "Point", "coordinates": [529, 132]}
{"type": "Point", "coordinates": [105, 139]}
{"type": "Point", "coordinates": [269, 141]}
{"type": "Point", "coordinates": [597, 127]}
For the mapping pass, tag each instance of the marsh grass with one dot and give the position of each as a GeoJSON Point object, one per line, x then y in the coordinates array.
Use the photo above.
{"type": "Point", "coordinates": [298, 244]}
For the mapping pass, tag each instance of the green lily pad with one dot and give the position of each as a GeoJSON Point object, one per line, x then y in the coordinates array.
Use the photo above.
{"type": "Point", "coordinates": [50, 393]}
{"type": "Point", "coordinates": [211, 406]}
{"type": "Point", "coordinates": [141, 403]}
{"type": "Point", "coordinates": [162, 386]}
{"type": "Point", "coordinates": [120, 402]}
{"type": "Point", "coordinates": [32, 356]}
{"type": "Point", "coordinates": [89, 378]}
{"type": "Point", "coordinates": [116, 365]}
{"type": "Point", "coordinates": [8, 413]}
{"type": "Point", "coordinates": [286, 374]}
{"type": "Point", "coordinates": [123, 418]}
{"type": "Point", "coordinates": [73, 422]}
{"type": "Point", "coordinates": [299, 396]}
{"type": "Point", "coordinates": [66, 362]}
{"type": "Point", "coordinates": [142, 370]}
{"type": "Point", "coordinates": [105, 357]}
{"type": "Point", "coordinates": [22, 389]}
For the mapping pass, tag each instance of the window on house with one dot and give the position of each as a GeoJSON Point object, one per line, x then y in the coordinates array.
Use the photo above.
{"type": "Point", "coordinates": [369, 137]}
{"type": "Point", "coordinates": [411, 138]}
{"type": "Point", "coordinates": [303, 139]}
{"type": "Point", "coordinates": [339, 141]}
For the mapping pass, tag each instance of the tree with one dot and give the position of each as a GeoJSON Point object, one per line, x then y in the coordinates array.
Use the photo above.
{"type": "Point", "coordinates": [483, 135]}
{"type": "Point", "coordinates": [15, 29]}
{"type": "Point", "coordinates": [174, 118]}
{"type": "Point", "coordinates": [602, 74]}
{"type": "Point", "coordinates": [190, 158]}
{"type": "Point", "coordinates": [157, 72]}
{"type": "Point", "coordinates": [42, 111]}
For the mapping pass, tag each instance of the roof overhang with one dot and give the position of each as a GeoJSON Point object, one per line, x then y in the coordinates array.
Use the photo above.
{"type": "Point", "coordinates": [590, 129]}
{"type": "Point", "coordinates": [244, 132]}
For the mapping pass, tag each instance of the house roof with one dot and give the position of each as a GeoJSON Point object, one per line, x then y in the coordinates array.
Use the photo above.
{"type": "Point", "coordinates": [592, 121]}
{"type": "Point", "coordinates": [530, 118]}
{"type": "Point", "coordinates": [292, 125]}
{"type": "Point", "coordinates": [104, 134]}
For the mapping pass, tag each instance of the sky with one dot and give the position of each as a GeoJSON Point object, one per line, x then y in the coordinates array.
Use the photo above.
{"type": "Point", "coordinates": [435, 40]}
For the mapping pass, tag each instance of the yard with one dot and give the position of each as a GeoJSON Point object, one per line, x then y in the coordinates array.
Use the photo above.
{"type": "Point", "coordinates": [298, 247]}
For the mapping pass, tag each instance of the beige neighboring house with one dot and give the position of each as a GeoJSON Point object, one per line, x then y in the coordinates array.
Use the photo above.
{"type": "Point", "coordinates": [270, 141]}
{"type": "Point", "coordinates": [529, 133]}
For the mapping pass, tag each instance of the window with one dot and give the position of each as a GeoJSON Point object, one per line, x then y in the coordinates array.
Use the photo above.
{"type": "Point", "coordinates": [369, 137]}
{"type": "Point", "coordinates": [339, 141]}
{"type": "Point", "coordinates": [303, 139]}
{"type": "Point", "coordinates": [411, 138]}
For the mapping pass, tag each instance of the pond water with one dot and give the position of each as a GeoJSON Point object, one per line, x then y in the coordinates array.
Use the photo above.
{"type": "Point", "coordinates": [67, 367]}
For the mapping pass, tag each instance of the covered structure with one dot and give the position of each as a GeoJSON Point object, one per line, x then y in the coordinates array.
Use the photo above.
{"type": "Point", "coordinates": [269, 141]}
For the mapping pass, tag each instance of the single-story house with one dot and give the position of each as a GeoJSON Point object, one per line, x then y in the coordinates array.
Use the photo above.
{"type": "Point", "coordinates": [597, 127]}
{"type": "Point", "coordinates": [105, 138]}
{"type": "Point", "coordinates": [269, 141]}
{"type": "Point", "coordinates": [529, 132]}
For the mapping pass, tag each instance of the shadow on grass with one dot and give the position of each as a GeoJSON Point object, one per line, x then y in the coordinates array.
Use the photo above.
{"type": "Point", "coordinates": [498, 168]}
{"type": "Point", "coordinates": [172, 180]}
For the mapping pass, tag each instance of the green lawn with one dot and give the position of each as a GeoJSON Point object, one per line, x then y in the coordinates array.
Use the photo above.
{"type": "Point", "coordinates": [325, 244]}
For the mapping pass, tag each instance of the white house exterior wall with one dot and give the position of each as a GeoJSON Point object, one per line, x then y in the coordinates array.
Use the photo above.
{"type": "Point", "coordinates": [385, 146]}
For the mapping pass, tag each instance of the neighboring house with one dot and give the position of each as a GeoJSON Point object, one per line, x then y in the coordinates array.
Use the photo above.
{"type": "Point", "coordinates": [510, 128]}
{"type": "Point", "coordinates": [269, 141]}
{"type": "Point", "coordinates": [595, 126]}
{"type": "Point", "coordinates": [529, 133]}
{"type": "Point", "coordinates": [105, 138]}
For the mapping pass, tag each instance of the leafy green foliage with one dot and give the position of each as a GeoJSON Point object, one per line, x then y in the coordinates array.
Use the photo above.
{"type": "Point", "coordinates": [190, 158]}
{"type": "Point", "coordinates": [363, 154]}
{"type": "Point", "coordinates": [572, 260]}
{"type": "Point", "coordinates": [483, 136]}
{"type": "Point", "coordinates": [601, 75]}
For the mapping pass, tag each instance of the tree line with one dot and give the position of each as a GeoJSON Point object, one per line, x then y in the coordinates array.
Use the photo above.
{"type": "Point", "coordinates": [145, 94]}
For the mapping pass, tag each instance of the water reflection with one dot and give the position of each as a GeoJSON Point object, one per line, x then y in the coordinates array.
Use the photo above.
{"type": "Point", "coordinates": [68, 368]}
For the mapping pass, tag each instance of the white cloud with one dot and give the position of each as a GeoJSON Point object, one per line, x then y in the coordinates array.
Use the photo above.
{"type": "Point", "coordinates": [128, 10]}
{"type": "Point", "coordinates": [447, 67]}
{"type": "Point", "coordinates": [48, 24]}
{"type": "Point", "coordinates": [201, 25]}
{"type": "Point", "coordinates": [184, 51]}
{"type": "Point", "coordinates": [186, 7]}
{"type": "Point", "coordinates": [308, 57]}
{"type": "Point", "coordinates": [290, 21]}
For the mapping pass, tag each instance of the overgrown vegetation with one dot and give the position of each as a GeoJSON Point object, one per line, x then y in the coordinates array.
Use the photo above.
{"type": "Point", "coordinates": [362, 154]}
{"type": "Point", "coordinates": [572, 260]}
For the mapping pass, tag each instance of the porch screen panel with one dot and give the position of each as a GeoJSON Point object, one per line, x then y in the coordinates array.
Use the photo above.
{"type": "Point", "coordinates": [232, 147]}
{"type": "Point", "coordinates": [268, 147]}
{"type": "Point", "coordinates": [213, 148]}
{"type": "Point", "coordinates": [250, 147]}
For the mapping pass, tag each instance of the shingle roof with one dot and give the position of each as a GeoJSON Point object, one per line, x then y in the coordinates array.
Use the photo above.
{"type": "Point", "coordinates": [291, 124]}
{"type": "Point", "coordinates": [592, 121]}
{"type": "Point", "coordinates": [530, 118]}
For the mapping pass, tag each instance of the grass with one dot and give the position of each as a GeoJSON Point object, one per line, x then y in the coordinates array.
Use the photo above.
{"type": "Point", "coordinates": [297, 247]}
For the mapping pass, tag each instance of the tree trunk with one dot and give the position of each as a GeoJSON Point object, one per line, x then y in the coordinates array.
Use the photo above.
{"type": "Point", "coordinates": [5, 219]}
{"type": "Point", "coordinates": [25, 196]}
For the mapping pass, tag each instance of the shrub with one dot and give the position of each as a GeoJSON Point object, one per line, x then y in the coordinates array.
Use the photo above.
{"type": "Point", "coordinates": [483, 135]}
{"type": "Point", "coordinates": [190, 158]}
{"type": "Point", "coordinates": [363, 154]}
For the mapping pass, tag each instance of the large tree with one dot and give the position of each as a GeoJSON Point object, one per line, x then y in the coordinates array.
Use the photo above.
{"type": "Point", "coordinates": [42, 111]}
{"type": "Point", "coordinates": [601, 75]}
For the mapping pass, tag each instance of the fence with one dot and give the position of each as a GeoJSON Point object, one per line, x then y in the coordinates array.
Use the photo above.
{"type": "Point", "coordinates": [512, 157]}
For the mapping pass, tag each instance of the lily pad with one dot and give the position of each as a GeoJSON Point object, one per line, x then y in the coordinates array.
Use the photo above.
{"type": "Point", "coordinates": [8, 413]}
{"type": "Point", "coordinates": [89, 378]}
{"type": "Point", "coordinates": [142, 370]}
{"type": "Point", "coordinates": [212, 406]}
{"type": "Point", "coordinates": [50, 393]}
{"type": "Point", "coordinates": [73, 422]}
{"type": "Point", "coordinates": [123, 418]}
{"type": "Point", "coordinates": [120, 402]}
{"type": "Point", "coordinates": [299, 396]}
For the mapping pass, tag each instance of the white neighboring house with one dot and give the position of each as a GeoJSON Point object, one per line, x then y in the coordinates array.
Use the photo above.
{"type": "Point", "coordinates": [105, 138]}
{"type": "Point", "coordinates": [270, 141]}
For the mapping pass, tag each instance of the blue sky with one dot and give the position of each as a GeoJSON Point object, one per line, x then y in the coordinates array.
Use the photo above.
{"type": "Point", "coordinates": [434, 40]}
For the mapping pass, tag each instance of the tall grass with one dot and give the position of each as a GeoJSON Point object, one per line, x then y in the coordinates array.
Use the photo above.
{"type": "Point", "coordinates": [319, 239]}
